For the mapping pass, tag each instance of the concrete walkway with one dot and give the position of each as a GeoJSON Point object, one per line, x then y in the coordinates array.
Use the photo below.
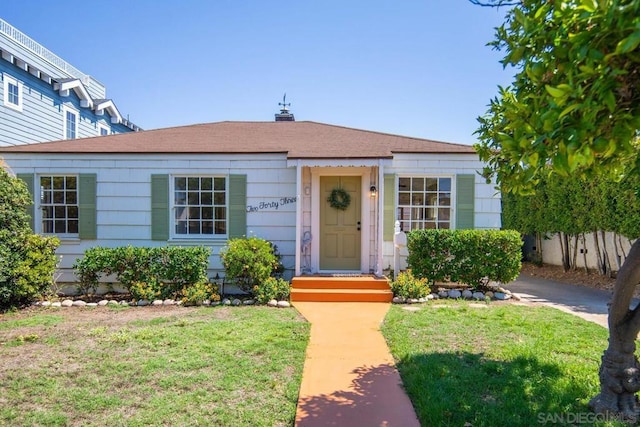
{"type": "Point", "coordinates": [588, 303]}
{"type": "Point", "coordinates": [349, 376]}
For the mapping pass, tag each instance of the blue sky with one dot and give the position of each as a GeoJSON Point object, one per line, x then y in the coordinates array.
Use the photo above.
{"type": "Point", "coordinates": [416, 68]}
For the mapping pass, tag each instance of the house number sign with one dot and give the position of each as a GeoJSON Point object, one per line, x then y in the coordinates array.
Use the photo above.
{"type": "Point", "coordinates": [272, 205]}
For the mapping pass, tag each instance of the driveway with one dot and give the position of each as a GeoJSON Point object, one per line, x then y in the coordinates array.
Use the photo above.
{"type": "Point", "coordinates": [588, 303]}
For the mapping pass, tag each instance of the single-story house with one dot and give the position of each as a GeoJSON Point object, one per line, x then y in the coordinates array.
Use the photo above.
{"type": "Point", "coordinates": [328, 196]}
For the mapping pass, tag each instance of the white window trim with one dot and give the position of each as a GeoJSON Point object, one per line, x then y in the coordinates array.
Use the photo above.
{"type": "Point", "coordinates": [105, 127]}
{"type": "Point", "coordinates": [11, 80]}
{"type": "Point", "coordinates": [65, 110]}
{"type": "Point", "coordinates": [38, 207]}
{"type": "Point", "coordinates": [452, 206]}
{"type": "Point", "coordinates": [172, 209]}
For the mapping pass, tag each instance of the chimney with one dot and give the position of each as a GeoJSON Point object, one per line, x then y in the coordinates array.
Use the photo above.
{"type": "Point", "coordinates": [284, 115]}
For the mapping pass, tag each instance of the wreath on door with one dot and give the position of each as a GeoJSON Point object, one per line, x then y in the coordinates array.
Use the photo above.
{"type": "Point", "coordinates": [339, 199]}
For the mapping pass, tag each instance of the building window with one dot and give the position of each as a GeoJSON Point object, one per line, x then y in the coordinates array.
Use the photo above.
{"type": "Point", "coordinates": [104, 130]}
{"type": "Point", "coordinates": [59, 204]}
{"type": "Point", "coordinates": [424, 202]}
{"type": "Point", "coordinates": [200, 206]}
{"type": "Point", "coordinates": [12, 93]}
{"type": "Point", "coordinates": [71, 120]}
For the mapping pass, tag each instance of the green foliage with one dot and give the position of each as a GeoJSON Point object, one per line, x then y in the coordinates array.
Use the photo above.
{"type": "Point", "coordinates": [27, 260]}
{"type": "Point", "coordinates": [473, 257]}
{"type": "Point", "coordinates": [200, 292]}
{"type": "Point", "coordinates": [145, 291]}
{"type": "Point", "coordinates": [272, 288]}
{"type": "Point", "coordinates": [32, 274]}
{"type": "Point", "coordinates": [574, 105]}
{"type": "Point", "coordinates": [250, 261]}
{"type": "Point", "coordinates": [97, 261]}
{"type": "Point", "coordinates": [575, 205]}
{"type": "Point", "coordinates": [408, 286]}
{"type": "Point", "coordinates": [171, 267]}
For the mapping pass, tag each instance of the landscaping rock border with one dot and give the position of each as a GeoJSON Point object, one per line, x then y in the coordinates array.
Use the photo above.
{"type": "Point", "coordinates": [497, 294]}
{"type": "Point", "coordinates": [156, 303]}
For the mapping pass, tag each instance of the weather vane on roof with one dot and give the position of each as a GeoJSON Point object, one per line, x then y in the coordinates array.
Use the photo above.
{"type": "Point", "coordinates": [284, 104]}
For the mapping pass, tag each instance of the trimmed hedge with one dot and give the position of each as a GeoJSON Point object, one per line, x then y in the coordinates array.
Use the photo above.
{"type": "Point", "coordinates": [171, 267]}
{"type": "Point", "coordinates": [473, 257]}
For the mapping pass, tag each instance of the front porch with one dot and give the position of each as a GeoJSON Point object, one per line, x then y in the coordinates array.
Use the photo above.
{"type": "Point", "coordinates": [340, 288]}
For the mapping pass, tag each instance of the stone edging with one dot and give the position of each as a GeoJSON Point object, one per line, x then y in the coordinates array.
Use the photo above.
{"type": "Point", "coordinates": [500, 294]}
{"type": "Point", "coordinates": [142, 303]}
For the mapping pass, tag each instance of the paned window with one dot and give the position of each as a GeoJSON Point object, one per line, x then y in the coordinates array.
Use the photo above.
{"type": "Point", "coordinates": [12, 93]}
{"type": "Point", "coordinates": [59, 204]}
{"type": "Point", "coordinates": [103, 130]}
{"type": "Point", "coordinates": [70, 124]}
{"type": "Point", "coordinates": [424, 202]}
{"type": "Point", "coordinates": [200, 206]}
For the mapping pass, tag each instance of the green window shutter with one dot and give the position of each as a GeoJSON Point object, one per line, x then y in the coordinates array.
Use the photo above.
{"type": "Point", "coordinates": [237, 206]}
{"type": "Point", "coordinates": [389, 220]}
{"type": "Point", "coordinates": [160, 207]}
{"type": "Point", "coordinates": [87, 228]}
{"type": "Point", "coordinates": [29, 181]}
{"type": "Point", "coordinates": [465, 189]}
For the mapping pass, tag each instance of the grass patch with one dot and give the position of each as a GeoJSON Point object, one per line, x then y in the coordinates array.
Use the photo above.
{"type": "Point", "coordinates": [503, 364]}
{"type": "Point", "coordinates": [222, 366]}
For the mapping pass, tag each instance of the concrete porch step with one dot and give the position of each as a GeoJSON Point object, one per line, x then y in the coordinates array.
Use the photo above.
{"type": "Point", "coordinates": [340, 289]}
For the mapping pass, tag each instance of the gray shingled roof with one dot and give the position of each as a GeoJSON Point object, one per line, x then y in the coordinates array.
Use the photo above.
{"type": "Point", "coordinates": [298, 140]}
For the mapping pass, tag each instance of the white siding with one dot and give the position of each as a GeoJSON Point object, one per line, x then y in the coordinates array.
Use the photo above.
{"type": "Point", "coordinates": [124, 197]}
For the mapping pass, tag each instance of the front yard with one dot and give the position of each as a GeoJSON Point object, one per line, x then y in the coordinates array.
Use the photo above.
{"type": "Point", "coordinates": [151, 366]}
{"type": "Point", "coordinates": [499, 364]}
{"type": "Point", "coordinates": [462, 363]}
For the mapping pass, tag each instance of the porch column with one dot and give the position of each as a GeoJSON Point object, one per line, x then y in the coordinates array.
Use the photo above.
{"type": "Point", "coordinates": [298, 250]}
{"type": "Point", "coordinates": [380, 221]}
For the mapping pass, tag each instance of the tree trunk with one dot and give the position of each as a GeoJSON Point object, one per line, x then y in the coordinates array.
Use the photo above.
{"type": "Point", "coordinates": [601, 268]}
{"type": "Point", "coordinates": [605, 254]}
{"type": "Point", "coordinates": [583, 240]}
{"type": "Point", "coordinates": [564, 247]}
{"type": "Point", "coordinates": [574, 258]}
{"type": "Point", "coordinates": [620, 371]}
{"type": "Point", "coordinates": [618, 257]}
{"type": "Point", "coordinates": [539, 247]}
{"type": "Point", "coordinates": [562, 251]}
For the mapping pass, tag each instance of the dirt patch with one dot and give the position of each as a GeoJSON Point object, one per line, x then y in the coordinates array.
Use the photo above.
{"type": "Point", "coordinates": [577, 277]}
{"type": "Point", "coordinates": [590, 279]}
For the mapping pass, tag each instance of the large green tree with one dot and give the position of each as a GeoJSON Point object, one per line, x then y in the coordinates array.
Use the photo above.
{"type": "Point", "coordinates": [573, 108]}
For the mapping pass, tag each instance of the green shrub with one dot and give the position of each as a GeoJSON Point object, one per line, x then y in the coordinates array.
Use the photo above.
{"type": "Point", "coordinates": [473, 257]}
{"type": "Point", "coordinates": [272, 288]}
{"type": "Point", "coordinates": [97, 261]}
{"type": "Point", "coordinates": [408, 286]}
{"type": "Point", "coordinates": [249, 261]}
{"type": "Point", "coordinates": [171, 267]}
{"type": "Point", "coordinates": [199, 292]}
{"type": "Point", "coordinates": [32, 273]}
{"type": "Point", "coordinates": [27, 260]}
{"type": "Point", "coordinates": [145, 290]}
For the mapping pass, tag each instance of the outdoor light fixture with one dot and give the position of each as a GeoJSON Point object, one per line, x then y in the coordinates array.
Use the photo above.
{"type": "Point", "coordinates": [373, 191]}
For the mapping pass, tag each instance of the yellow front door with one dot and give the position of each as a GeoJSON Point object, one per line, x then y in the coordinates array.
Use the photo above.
{"type": "Point", "coordinates": [340, 229]}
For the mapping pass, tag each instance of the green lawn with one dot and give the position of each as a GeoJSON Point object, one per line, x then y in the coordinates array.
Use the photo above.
{"type": "Point", "coordinates": [497, 364]}
{"type": "Point", "coordinates": [492, 364]}
{"type": "Point", "coordinates": [226, 366]}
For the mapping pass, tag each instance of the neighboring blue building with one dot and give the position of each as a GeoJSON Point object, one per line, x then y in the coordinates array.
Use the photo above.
{"type": "Point", "coordinates": [44, 98]}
